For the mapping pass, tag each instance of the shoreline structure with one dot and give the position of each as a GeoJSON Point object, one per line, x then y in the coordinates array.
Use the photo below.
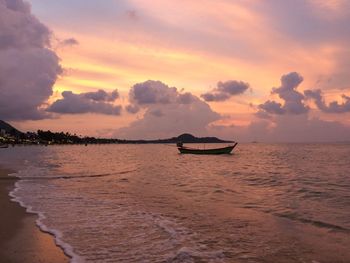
{"type": "Point", "coordinates": [21, 240]}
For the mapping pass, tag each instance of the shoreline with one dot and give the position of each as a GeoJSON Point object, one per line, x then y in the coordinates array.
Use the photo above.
{"type": "Point", "coordinates": [21, 240]}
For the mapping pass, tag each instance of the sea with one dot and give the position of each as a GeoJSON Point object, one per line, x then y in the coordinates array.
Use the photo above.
{"type": "Point", "coordinates": [273, 203]}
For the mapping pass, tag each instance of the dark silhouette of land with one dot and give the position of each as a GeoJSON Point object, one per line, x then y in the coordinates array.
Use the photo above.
{"type": "Point", "coordinates": [10, 135]}
{"type": "Point", "coordinates": [7, 128]}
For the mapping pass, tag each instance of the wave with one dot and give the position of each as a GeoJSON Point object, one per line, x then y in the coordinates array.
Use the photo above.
{"type": "Point", "coordinates": [189, 255]}
{"type": "Point", "coordinates": [313, 222]}
{"type": "Point", "coordinates": [66, 248]}
{"type": "Point", "coordinates": [17, 176]}
{"type": "Point", "coordinates": [57, 235]}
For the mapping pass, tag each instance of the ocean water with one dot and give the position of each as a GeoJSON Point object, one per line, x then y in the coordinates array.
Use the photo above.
{"type": "Point", "coordinates": [147, 203]}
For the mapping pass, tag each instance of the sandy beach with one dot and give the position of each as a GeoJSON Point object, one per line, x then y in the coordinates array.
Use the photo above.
{"type": "Point", "coordinates": [20, 239]}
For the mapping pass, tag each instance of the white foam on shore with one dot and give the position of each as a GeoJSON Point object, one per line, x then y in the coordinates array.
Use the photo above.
{"type": "Point", "coordinates": [58, 237]}
{"type": "Point", "coordinates": [181, 235]}
{"type": "Point", "coordinates": [188, 255]}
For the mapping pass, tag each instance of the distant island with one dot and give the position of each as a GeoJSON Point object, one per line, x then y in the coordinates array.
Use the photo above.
{"type": "Point", "coordinates": [10, 135]}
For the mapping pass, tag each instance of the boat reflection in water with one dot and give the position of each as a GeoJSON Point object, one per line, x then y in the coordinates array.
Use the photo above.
{"type": "Point", "coordinates": [223, 150]}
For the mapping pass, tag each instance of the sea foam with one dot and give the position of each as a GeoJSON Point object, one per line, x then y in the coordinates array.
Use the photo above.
{"type": "Point", "coordinates": [57, 235]}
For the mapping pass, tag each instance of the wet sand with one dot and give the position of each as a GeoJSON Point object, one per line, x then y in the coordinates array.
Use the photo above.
{"type": "Point", "coordinates": [20, 239]}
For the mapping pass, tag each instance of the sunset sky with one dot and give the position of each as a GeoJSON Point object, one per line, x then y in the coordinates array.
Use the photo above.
{"type": "Point", "coordinates": [238, 69]}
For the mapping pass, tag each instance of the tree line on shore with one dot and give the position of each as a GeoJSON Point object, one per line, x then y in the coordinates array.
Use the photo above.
{"type": "Point", "coordinates": [48, 137]}
{"type": "Point", "coordinates": [10, 135]}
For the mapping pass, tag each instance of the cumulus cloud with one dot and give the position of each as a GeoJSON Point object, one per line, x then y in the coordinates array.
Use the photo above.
{"type": "Point", "coordinates": [215, 96]}
{"type": "Point", "coordinates": [152, 92]}
{"type": "Point", "coordinates": [226, 90]}
{"type": "Point", "coordinates": [19, 28]}
{"type": "Point", "coordinates": [28, 67]}
{"type": "Point", "coordinates": [186, 98]}
{"type": "Point", "coordinates": [290, 121]}
{"type": "Point", "coordinates": [293, 99]}
{"type": "Point", "coordinates": [333, 107]}
{"type": "Point", "coordinates": [101, 95]}
{"type": "Point", "coordinates": [272, 107]}
{"type": "Point", "coordinates": [156, 92]}
{"type": "Point", "coordinates": [90, 102]}
{"type": "Point", "coordinates": [167, 112]}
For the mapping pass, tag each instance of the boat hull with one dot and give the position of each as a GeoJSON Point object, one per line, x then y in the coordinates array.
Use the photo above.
{"type": "Point", "coordinates": [224, 150]}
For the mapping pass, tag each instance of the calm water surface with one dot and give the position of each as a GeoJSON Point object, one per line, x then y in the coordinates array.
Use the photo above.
{"type": "Point", "coordinates": [147, 203]}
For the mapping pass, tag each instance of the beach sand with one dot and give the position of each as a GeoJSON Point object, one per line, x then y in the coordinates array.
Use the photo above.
{"type": "Point", "coordinates": [20, 239]}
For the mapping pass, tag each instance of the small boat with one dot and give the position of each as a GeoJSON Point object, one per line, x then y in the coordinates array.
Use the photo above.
{"type": "Point", "coordinates": [224, 150]}
{"type": "Point", "coordinates": [4, 145]}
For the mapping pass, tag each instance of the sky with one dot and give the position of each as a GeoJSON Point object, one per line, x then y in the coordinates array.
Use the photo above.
{"type": "Point", "coordinates": [246, 70]}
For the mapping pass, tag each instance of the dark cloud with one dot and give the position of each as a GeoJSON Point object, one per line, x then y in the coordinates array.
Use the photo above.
{"type": "Point", "coordinates": [167, 112]}
{"type": "Point", "coordinates": [333, 107]}
{"type": "Point", "coordinates": [156, 92]}
{"type": "Point", "coordinates": [226, 90]}
{"type": "Point", "coordinates": [317, 96]}
{"type": "Point", "coordinates": [19, 29]}
{"type": "Point", "coordinates": [28, 68]}
{"type": "Point", "coordinates": [262, 114]}
{"type": "Point", "coordinates": [132, 109]}
{"type": "Point", "coordinates": [186, 98]}
{"type": "Point", "coordinates": [17, 5]}
{"type": "Point", "coordinates": [69, 42]}
{"type": "Point", "coordinates": [215, 96]}
{"type": "Point", "coordinates": [287, 123]}
{"type": "Point", "coordinates": [101, 95]}
{"type": "Point", "coordinates": [90, 102]}
{"type": "Point", "coordinates": [272, 107]}
{"type": "Point", "coordinates": [232, 87]}
{"type": "Point", "coordinates": [152, 92]}
{"type": "Point", "coordinates": [293, 99]}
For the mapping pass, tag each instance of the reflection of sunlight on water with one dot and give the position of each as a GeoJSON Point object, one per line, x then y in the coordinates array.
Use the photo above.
{"type": "Point", "coordinates": [264, 203]}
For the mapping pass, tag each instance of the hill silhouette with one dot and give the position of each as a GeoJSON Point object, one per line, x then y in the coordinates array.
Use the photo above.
{"type": "Point", "coordinates": [185, 138]}
{"type": "Point", "coordinates": [9, 129]}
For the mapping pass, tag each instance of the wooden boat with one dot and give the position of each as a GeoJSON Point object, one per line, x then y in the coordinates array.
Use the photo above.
{"type": "Point", "coordinates": [224, 150]}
